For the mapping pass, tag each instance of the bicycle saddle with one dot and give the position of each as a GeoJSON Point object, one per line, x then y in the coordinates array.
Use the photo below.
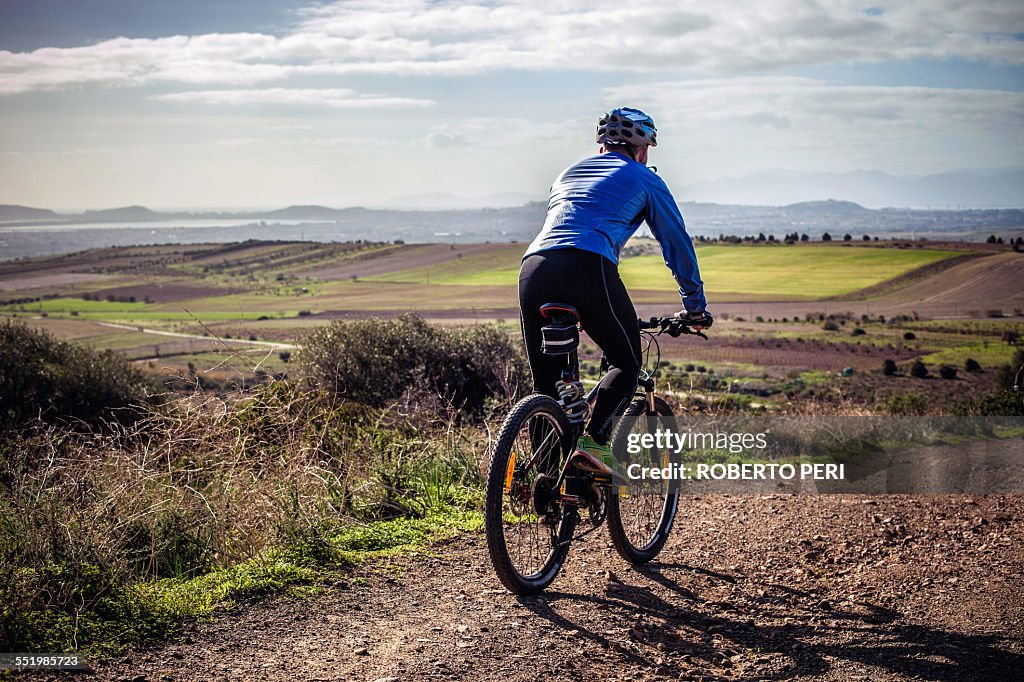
{"type": "Point", "coordinates": [559, 310]}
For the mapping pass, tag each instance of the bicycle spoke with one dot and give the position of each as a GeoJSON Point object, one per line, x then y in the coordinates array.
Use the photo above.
{"type": "Point", "coordinates": [529, 541]}
{"type": "Point", "coordinates": [642, 504]}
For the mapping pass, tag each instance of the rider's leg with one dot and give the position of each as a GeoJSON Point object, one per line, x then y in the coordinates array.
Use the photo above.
{"type": "Point", "coordinates": [591, 283]}
{"type": "Point", "coordinates": [537, 287]}
{"type": "Point", "coordinates": [538, 284]}
{"type": "Point", "coordinates": [610, 320]}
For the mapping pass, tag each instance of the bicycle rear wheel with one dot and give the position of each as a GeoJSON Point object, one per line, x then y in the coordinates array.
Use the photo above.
{"type": "Point", "coordinates": [640, 515]}
{"type": "Point", "coordinates": [528, 532]}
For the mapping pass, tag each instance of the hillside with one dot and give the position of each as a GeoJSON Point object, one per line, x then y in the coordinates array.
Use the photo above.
{"type": "Point", "coordinates": [12, 212]}
{"type": "Point", "coordinates": [798, 588]}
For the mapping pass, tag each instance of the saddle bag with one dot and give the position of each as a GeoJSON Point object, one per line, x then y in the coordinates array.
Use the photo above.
{"type": "Point", "coordinates": [559, 337]}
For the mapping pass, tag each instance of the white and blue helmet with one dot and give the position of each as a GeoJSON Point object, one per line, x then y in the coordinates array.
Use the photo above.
{"type": "Point", "coordinates": [627, 126]}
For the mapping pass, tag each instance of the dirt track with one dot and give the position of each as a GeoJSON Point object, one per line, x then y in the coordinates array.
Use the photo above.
{"type": "Point", "coordinates": [750, 588]}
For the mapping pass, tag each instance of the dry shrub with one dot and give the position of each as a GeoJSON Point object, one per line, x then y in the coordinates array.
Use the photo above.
{"type": "Point", "coordinates": [61, 382]}
{"type": "Point", "coordinates": [376, 361]}
{"type": "Point", "coordinates": [202, 484]}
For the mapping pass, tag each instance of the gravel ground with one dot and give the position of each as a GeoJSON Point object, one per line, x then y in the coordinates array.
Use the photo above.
{"type": "Point", "coordinates": [749, 588]}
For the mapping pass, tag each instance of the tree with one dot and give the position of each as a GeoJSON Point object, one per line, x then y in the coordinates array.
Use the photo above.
{"type": "Point", "coordinates": [804, 238]}
{"type": "Point", "coordinates": [826, 237]}
{"type": "Point", "coordinates": [918, 369]}
{"type": "Point", "coordinates": [889, 368]}
{"type": "Point", "coordinates": [866, 238]}
{"type": "Point", "coordinates": [847, 237]}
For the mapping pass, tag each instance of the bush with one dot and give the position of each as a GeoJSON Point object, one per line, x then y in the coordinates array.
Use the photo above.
{"type": "Point", "coordinates": [1008, 373]}
{"type": "Point", "coordinates": [918, 370]}
{"type": "Point", "coordinates": [947, 372]}
{"type": "Point", "coordinates": [972, 365]}
{"type": "Point", "coordinates": [889, 368]}
{"type": "Point", "coordinates": [1002, 403]}
{"type": "Point", "coordinates": [41, 377]}
{"type": "Point", "coordinates": [858, 332]}
{"type": "Point", "coordinates": [906, 404]}
{"type": "Point", "coordinates": [376, 361]}
{"type": "Point", "coordinates": [909, 336]}
{"type": "Point", "coordinates": [830, 326]}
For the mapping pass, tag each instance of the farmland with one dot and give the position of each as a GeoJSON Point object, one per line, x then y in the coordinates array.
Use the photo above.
{"type": "Point", "coordinates": [790, 317]}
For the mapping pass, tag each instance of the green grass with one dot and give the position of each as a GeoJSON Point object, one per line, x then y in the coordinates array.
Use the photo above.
{"type": "Point", "coordinates": [158, 609]}
{"type": "Point", "coordinates": [792, 272]}
{"type": "Point", "coordinates": [796, 272]}
{"type": "Point", "coordinates": [989, 355]}
{"type": "Point", "coordinates": [81, 305]}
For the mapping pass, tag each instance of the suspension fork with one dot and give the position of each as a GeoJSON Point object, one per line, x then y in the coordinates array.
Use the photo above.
{"type": "Point", "coordinates": [648, 385]}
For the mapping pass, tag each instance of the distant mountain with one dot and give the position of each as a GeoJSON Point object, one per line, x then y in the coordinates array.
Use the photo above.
{"type": "Point", "coordinates": [125, 213]}
{"type": "Point", "coordinates": [829, 207]}
{"type": "Point", "coordinates": [300, 213]}
{"type": "Point", "coordinates": [15, 212]}
{"type": "Point", "coordinates": [874, 189]}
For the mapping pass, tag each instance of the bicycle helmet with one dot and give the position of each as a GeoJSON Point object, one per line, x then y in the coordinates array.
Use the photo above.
{"type": "Point", "coordinates": [626, 126]}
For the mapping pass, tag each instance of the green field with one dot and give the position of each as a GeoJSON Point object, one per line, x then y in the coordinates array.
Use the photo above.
{"type": "Point", "coordinates": [789, 272]}
{"type": "Point", "coordinates": [281, 290]}
{"type": "Point", "coordinates": [784, 271]}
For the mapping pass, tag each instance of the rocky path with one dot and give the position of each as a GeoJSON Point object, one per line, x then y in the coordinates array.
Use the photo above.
{"type": "Point", "coordinates": [750, 588]}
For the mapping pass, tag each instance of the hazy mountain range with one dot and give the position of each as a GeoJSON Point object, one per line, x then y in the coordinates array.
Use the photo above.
{"type": "Point", "coordinates": [961, 189]}
{"type": "Point", "coordinates": [874, 189]}
{"type": "Point", "coordinates": [26, 231]}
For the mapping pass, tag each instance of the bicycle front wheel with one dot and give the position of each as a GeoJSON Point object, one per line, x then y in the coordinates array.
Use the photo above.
{"type": "Point", "coordinates": [640, 515]}
{"type": "Point", "coordinates": [528, 532]}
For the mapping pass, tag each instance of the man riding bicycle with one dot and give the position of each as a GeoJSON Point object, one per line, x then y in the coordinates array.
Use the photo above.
{"type": "Point", "coordinates": [595, 207]}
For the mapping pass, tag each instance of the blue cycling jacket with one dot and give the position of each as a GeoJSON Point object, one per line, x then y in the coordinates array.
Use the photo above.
{"type": "Point", "coordinates": [597, 205]}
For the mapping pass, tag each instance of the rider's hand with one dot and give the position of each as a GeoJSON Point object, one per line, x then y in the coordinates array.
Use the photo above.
{"type": "Point", "coordinates": [696, 321]}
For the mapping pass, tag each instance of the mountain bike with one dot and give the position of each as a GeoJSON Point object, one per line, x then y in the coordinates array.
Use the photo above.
{"type": "Point", "coordinates": [540, 489]}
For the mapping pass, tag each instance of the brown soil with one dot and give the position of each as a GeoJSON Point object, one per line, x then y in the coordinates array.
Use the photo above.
{"type": "Point", "coordinates": [162, 293]}
{"type": "Point", "coordinates": [402, 258]}
{"type": "Point", "coordinates": [969, 288]}
{"type": "Point", "coordinates": [981, 283]}
{"type": "Point", "coordinates": [786, 352]}
{"type": "Point", "coordinates": [47, 281]}
{"type": "Point", "coordinates": [749, 588]}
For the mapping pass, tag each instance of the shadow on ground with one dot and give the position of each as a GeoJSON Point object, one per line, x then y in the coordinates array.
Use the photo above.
{"type": "Point", "coordinates": [772, 621]}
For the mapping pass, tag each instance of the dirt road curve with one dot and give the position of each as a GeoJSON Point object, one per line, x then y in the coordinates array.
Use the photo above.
{"type": "Point", "coordinates": [750, 588]}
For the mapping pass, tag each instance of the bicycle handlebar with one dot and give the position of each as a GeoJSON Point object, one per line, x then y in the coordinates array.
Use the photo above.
{"type": "Point", "coordinates": [673, 326]}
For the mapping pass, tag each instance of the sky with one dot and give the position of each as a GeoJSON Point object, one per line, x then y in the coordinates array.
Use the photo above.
{"type": "Point", "coordinates": [250, 104]}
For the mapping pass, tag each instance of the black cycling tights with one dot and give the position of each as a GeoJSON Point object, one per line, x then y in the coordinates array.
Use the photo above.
{"type": "Point", "coordinates": [590, 283]}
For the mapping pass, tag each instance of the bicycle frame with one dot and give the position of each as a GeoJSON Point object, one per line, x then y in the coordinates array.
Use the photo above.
{"type": "Point", "coordinates": [673, 327]}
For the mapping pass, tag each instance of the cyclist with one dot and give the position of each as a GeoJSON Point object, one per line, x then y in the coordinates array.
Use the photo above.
{"type": "Point", "coordinates": [595, 207]}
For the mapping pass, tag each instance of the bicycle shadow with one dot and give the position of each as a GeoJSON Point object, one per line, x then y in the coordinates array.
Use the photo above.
{"type": "Point", "coordinates": [811, 635]}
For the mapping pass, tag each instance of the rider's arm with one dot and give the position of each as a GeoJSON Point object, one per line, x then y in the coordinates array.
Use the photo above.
{"type": "Point", "coordinates": [667, 226]}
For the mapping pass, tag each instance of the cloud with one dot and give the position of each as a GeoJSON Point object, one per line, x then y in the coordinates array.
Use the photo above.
{"type": "Point", "coordinates": [454, 37]}
{"type": "Point", "coordinates": [780, 122]}
{"type": "Point", "coordinates": [338, 98]}
{"type": "Point", "coordinates": [440, 139]}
